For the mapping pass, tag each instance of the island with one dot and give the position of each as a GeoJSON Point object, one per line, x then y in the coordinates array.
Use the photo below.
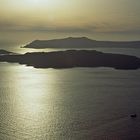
{"type": "Point", "coordinates": [74, 58]}
{"type": "Point", "coordinates": [4, 52]}
{"type": "Point", "coordinates": [79, 42]}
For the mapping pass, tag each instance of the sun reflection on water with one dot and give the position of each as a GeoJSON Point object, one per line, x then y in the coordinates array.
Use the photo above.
{"type": "Point", "coordinates": [34, 101]}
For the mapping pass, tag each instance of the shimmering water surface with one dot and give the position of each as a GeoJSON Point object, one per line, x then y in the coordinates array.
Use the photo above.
{"type": "Point", "coordinates": [69, 104]}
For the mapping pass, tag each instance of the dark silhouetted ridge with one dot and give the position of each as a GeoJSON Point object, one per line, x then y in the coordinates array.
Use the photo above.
{"type": "Point", "coordinates": [74, 58]}
{"type": "Point", "coordinates": [79, 42]}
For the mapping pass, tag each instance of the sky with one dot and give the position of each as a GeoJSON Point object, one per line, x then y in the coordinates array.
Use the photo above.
{"type": "Point", "coordinates": [26, 20]}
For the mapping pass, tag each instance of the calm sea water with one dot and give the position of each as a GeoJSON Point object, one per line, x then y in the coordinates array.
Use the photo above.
{"type": "Point", "coordinates": [69, 104]}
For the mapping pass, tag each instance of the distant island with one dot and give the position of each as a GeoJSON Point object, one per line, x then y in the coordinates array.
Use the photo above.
{"type": "Point", "coordinates": [3, 52]}
{"type": "Point", "coordinates": [74, 58]}
{"type": "Point", "coordinates": [79, 42]}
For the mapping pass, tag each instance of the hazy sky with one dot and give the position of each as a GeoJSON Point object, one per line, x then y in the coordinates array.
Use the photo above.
{"type": "Point", "coordinates": [25, 20]}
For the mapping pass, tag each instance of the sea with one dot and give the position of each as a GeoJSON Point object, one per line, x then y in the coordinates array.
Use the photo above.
{"type": "Point", "coordinates": [69, 104]}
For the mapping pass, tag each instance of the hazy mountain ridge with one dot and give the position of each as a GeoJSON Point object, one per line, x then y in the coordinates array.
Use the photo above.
{"type": "Point", "coordinates": [79, 42]}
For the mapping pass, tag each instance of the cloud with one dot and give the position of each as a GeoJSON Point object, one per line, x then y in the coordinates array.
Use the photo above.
{"type": "Point", "coordinates": [91, 28]}
{"type": "Point", "coordinates": [15, 27]}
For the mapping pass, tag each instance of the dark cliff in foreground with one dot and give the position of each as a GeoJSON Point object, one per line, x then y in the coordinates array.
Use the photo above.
{"type": "Point", "coordinates": [74, 58]}
{"type": "Point", "coordinates": [81, 42]}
